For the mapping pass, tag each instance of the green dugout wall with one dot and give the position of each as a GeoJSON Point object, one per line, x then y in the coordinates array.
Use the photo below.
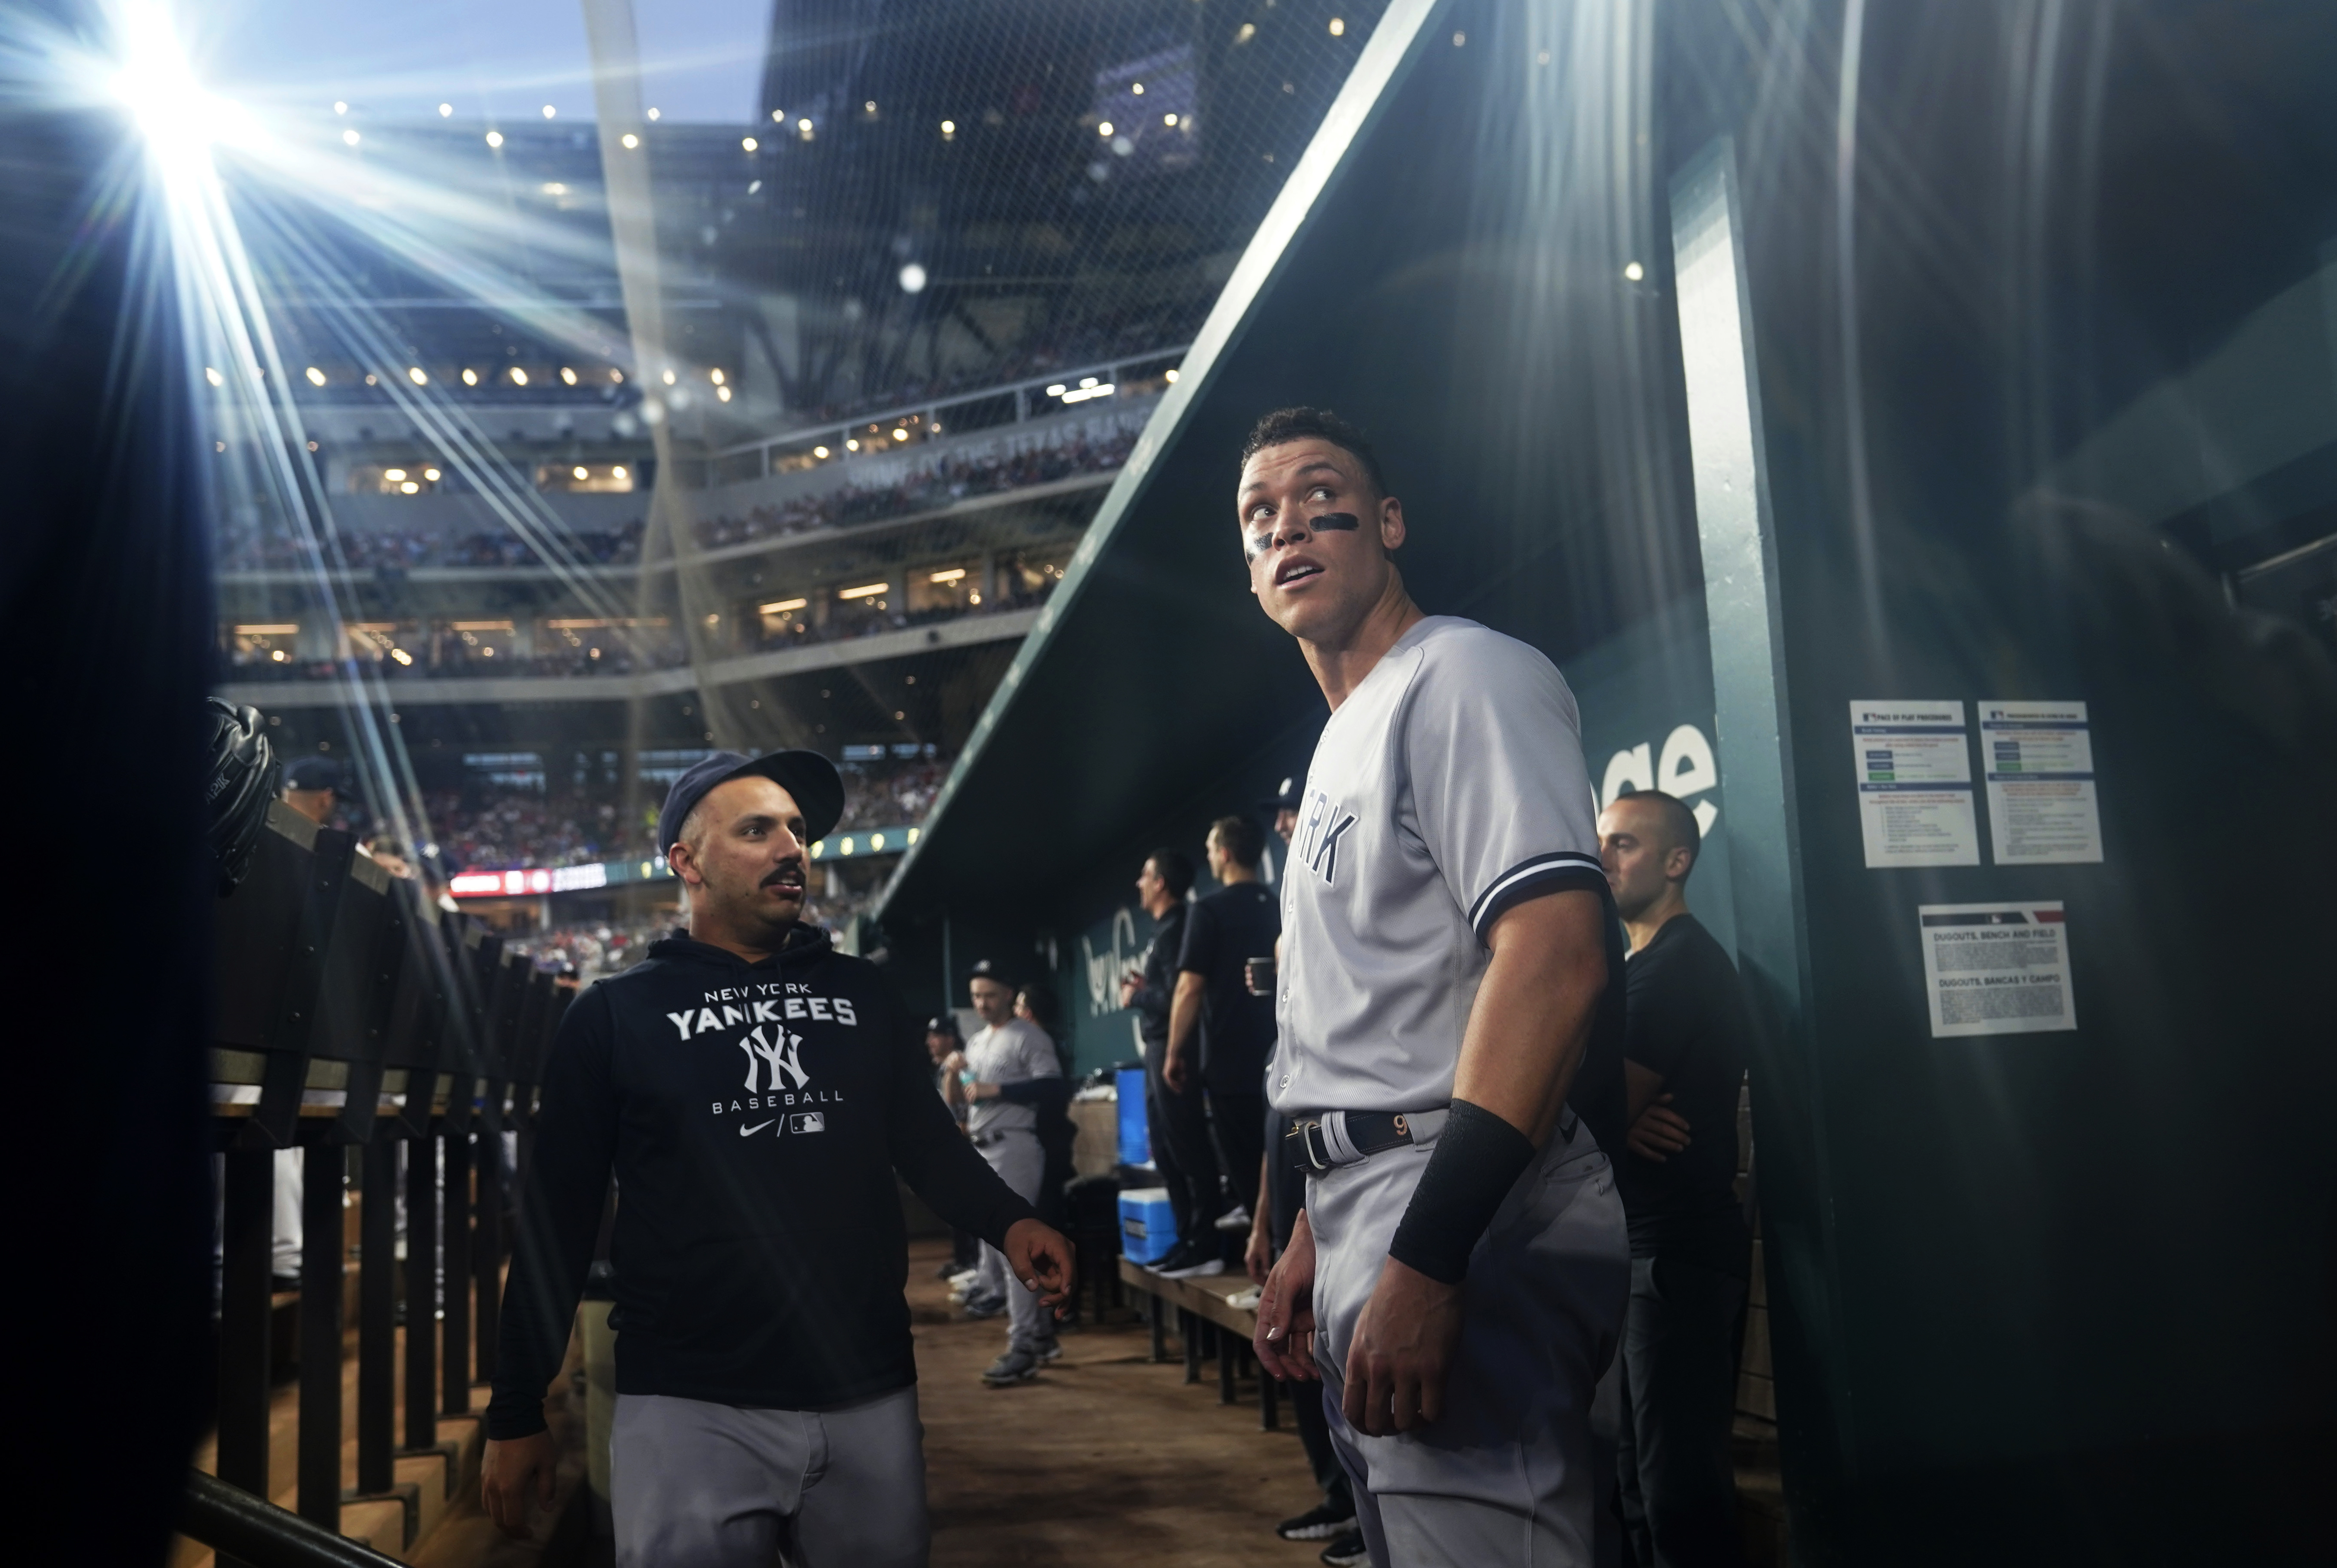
{"type": "Point", "coordinates": [1865, 387]}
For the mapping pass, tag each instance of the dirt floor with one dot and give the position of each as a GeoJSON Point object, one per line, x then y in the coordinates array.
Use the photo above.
{"type": "Point", "coordinates": [1105, 1459]}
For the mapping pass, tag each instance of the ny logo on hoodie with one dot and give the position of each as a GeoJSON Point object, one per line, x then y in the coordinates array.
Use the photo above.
{"type": "Point", "coordinates": [778, 1057]}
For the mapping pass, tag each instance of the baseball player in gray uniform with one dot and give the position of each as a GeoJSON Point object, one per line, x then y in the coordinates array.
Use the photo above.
{"type": "Point", "coordinates": [1459, 1274]}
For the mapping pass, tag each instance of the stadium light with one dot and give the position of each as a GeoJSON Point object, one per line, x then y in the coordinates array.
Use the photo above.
{"type": "Point", "coordinates": [581, 472]}
{"type": "Point", "coordinates": [470, 376]}
{"type": "Point", "coordinates": [618, 471]}
{"type": "Point", "coordinates": [393, 475]}
{"type": "Point", "coordinates": [785, 605]}
{"type": "Point", "coordinates": [519, 376]}
{"type": "Point", "coordinates": [409, 488]}
{"type": "Point", "coordinates": [494, 139]}
{"type": "Point", "coordinates": [913, 279]}
{"type": "Point", "coordinates": [414, 374]}
{"type": "Point", "coordinates": [820, 452]}
{"type": "Point", "coordinates": [568, 375]}
{"type": "Point", "coordinates": [180, 120]}
{"type": "Point", "coordinates": [853, 445]}
{"type": "Point", "coordinates": [865, 590]}
{"type": "Point", "coordinates": [949, 127]}
{"type": "Point", "coordinates": [715, 376]}
{"type": "Point", "coordinates": [748, 142]}
{"type": "Point", "coordinates": [668, 378]}
{"type": "Point", "coordinates": [1169, 120]}
{"type": "Point", "coordinates": [631, 140]}
{"type": "Point", "coordinates": [1104, 129]}
{"type": "Point", "coordinates": [431, 474]}
{"type": "Point", "coordinates": [213, 377]}
{"type": "Point", "coordinates": [340, 106]}
{"type": "Point", "coordinates": [1171, 376]}
{"type": "Point", "coordinates": [1136, 88]}
{"type": "Point", "coordinates": [723, 392]}
{"type": "Point", "coordinates": [1338, 27]}
{"type": "Point", "coordinates": [549, 112]}
{"type": "Point", "coordinates": [316, 376]}
{"type": "Point", "coordinates": [954, 574]}
{"type": "Point", "coordinates": [900, 436]}
{"type": "Point", "coordinates": [350, 137]}
{"type": "Point", "coordinates": [1633, 272]}
{"type": "Point", "coordinates": [445, 111]}
{"type": "Point", "coordinates": [654, 115]}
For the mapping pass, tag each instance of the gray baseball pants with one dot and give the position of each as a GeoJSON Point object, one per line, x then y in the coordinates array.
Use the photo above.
{"type": "Point", "coordinates": [1506, 1475]}
{"type": "Point", "coordinates": [1021, 1164]}
{"type": "Point", "coordinates": [695, 1484]}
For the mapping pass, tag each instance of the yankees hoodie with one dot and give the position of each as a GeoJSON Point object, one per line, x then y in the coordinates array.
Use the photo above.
{"type": "Point", "coordinates": [753, 1115]}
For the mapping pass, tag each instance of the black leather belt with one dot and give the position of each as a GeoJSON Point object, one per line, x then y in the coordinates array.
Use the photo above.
{"type": "Point", "coordinates": [1340, 1138]}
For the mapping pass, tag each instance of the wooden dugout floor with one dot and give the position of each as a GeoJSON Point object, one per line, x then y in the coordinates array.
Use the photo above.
{"type": "Point", "coordinates": [1105, 1458]}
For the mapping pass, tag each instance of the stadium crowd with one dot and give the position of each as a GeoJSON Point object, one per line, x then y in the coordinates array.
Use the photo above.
{"type": "Point", "coordinates": [890, 794]}
{"type": "Point", "coordinates": [403, 549]}
{"type": "Point", "coordinates": [456, 660]}
{"type": "Point", "coordinates": [486, 827]}
{"type": "Point", "coordinates": [952, 479]}
{"type": "Point", "coordinates": [935, 485]}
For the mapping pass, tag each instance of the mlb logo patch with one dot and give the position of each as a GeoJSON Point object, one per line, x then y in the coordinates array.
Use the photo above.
{"type": "Point", "coordinates": [808, 1122]}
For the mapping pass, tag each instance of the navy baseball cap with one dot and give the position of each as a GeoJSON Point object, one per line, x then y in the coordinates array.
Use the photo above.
{"type": "Point", "coordinates": [942, 1024]}
{"type": "Point", "coordinates": [808, 777]}
{"type": "Point", "coordinates": [313, 773]}
{"type": "Point", "coordinates": [988, 969]}
{"type": "Point", "coordinates": [1285, 799]}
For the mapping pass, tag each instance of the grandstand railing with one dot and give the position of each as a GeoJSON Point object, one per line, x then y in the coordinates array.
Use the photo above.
{"type": "Point", "coordinates": [352, 1013]}
{"type": "Point", "coordinates": [327, 687]}
{"type": "Point", "coordinates": [691, 552]}
{"type": "Point", "coordinates": [1107, 375]}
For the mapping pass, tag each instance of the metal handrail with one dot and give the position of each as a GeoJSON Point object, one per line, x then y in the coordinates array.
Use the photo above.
{"type": "Point", "coordinates": [254, 1531]}
{"type": "Point", "coordinates": [947, 400]}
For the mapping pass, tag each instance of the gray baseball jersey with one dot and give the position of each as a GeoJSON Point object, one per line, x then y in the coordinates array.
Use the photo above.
{"type": "Point", "coordinates": [1449, 786]}
{"type": "Point", "coordinates": [1009, 1053]}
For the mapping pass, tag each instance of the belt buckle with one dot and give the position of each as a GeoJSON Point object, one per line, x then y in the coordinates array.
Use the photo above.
{"type": "Point", "coordinates": [1311, 1144]}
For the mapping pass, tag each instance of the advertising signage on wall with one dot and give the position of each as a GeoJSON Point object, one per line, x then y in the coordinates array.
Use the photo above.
{"type": "Point", "coordinates": [865, 844]}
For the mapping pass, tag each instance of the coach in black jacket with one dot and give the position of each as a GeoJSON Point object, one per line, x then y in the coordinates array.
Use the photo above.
{"type": "Point", "coordinates": [753, 1091]}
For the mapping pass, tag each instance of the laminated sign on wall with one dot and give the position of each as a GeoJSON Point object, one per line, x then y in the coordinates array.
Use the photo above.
{"type": "Point", "coordinates": [1914, 784]}
{"type": "Point", "coordinates": [2039, 761]}
{"type": "Point", "coordinates": [1997, 968]}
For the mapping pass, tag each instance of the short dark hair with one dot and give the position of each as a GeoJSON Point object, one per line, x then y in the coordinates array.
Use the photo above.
{"type": "Point", "coordinates": [1241, 839]}
{"type": "Point", "coordinates": [1680, 824]}
{"type": "Point", "coordinates": [1040, 997]}
{"type": "Point", "coordinates": [1175, 870]}
{"type": "Point", "coordinates": [1285, 425]}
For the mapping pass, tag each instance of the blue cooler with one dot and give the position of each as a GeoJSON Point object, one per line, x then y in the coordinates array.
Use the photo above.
{"type": "Point", "coordinates": [1135, 1136]}
{"type": "Point", "coordinates": [1148, 1229]}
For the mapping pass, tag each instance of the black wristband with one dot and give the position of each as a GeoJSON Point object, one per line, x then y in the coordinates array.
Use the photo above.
{"type": "Point", "coordinates": [1476, 1160]}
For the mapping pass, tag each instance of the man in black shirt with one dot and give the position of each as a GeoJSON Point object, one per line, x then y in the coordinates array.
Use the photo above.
{"type": "Point", "coordinates": [1177, 1120]}
{"type": "Point", "coordinates": [1688, 1032]}
{"type": "Point", "coordinates": [753, 1092]}
{"type": "Point", "coordinates": [1226, 930]}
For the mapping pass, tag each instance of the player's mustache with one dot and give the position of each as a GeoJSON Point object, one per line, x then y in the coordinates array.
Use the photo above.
{"type": "Point", "coordinates": [789, 871]}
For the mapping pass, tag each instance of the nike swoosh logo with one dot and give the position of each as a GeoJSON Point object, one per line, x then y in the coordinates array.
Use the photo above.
{"type": "Point", "coordinates": [750, 1132]}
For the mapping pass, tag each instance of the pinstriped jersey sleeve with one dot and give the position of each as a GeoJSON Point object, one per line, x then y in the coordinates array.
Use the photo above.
{"type": "Point", "coordinates": [1499, 792]}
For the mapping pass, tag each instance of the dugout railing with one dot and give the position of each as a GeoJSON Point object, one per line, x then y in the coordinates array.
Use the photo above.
{"type": "Point", "coordinates": [351, 1013]}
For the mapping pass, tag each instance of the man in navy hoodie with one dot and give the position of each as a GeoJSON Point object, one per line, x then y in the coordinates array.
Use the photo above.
{"type": "Point", "coordinates": [753, 1092]}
